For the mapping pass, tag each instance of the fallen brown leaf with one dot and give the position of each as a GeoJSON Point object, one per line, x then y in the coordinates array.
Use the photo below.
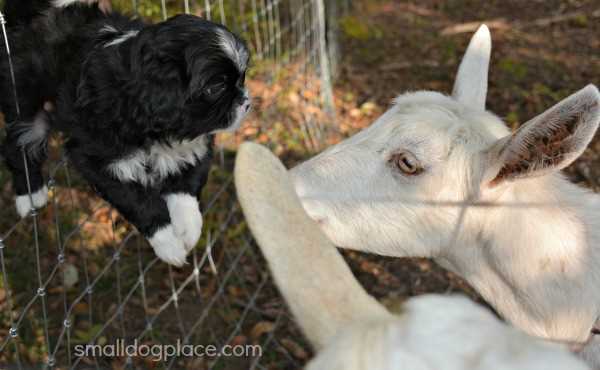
{"type": "Point", "coordinates": [295, 349]}
{"type": "Point", "coordinates": [261, 328]}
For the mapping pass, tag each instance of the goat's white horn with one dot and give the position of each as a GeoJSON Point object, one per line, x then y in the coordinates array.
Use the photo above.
{"type": "Point", "coordinates": [471, 82]}
{"type": "Point", "coordinates": [314, 279]}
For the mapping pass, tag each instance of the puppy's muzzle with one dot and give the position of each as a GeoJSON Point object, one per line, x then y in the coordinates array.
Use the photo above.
{"type": "Point", "coordinates": [246, 102]}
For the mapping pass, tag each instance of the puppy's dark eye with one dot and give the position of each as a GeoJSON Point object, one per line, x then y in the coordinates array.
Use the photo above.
{"type": "Point", "coordinates": [407, 163]}
{"type": "Point", "coordinates": [216, 87]}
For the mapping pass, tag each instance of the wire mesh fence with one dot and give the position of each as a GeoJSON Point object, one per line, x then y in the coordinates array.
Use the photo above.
{"type": "Point", "coordinates": [75, 273]}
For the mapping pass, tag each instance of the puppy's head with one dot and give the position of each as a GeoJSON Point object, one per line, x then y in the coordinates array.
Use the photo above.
{"type": "Point", "coordinates": [190, 77]}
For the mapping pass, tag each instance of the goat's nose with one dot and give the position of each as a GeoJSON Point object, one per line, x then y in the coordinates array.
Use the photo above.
{"type": "Point", "coordinates": [299, 185]}
{"type": "Point", "coordinates": [315, 210]}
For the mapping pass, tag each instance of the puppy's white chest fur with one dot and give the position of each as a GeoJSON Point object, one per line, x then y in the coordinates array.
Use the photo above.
{"type": "Point", "coordinates": [154, 164]}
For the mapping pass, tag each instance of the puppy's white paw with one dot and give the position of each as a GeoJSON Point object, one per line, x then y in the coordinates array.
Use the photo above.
{"type": "Point", "coordinates": [185, 218]}
{"type": "Point", "coordinates": [168, 246]}
{"type": "Point", "coordinates": [23, 202]}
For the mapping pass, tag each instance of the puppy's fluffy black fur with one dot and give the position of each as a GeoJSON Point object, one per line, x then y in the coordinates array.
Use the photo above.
{"type": "Point", "coordinates": [138, 104]}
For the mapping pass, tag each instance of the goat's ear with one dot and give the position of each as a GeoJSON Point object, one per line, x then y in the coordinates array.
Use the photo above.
{"type": "Point", "coordinates": [471, 83]}
{"type": "Point", "coordinates": [313, 277]}
{"type": "Point", "coordinates": [548, 142]}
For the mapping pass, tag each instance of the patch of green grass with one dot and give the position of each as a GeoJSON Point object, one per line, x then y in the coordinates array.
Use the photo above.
{"type": "Point", "coordinates": [354, 28]}
{"type": "Point", "coordinates": [449, 51]}
{"type": "Point", "coordinates": [545, 91]}
{"type": "Point", "coordinates": [514, 68]}
{"type": "Point", "coordinates": [512, 119]}
{"type": "Point", "coordinates": [581, 20]}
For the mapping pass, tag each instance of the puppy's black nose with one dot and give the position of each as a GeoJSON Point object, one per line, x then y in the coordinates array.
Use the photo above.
{"type": "Point", "coordinates": [246, 104]}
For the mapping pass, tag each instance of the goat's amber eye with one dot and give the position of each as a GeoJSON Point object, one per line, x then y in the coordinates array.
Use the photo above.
{"type": "Point", "coordinates": [407, 163]}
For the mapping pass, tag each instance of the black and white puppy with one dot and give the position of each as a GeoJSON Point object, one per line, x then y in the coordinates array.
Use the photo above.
{"type": "Point", "coordinates": [139, 105]}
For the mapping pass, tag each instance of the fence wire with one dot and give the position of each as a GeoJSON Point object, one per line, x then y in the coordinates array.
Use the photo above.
{"type": "Point", "coordinates": [75, 273]}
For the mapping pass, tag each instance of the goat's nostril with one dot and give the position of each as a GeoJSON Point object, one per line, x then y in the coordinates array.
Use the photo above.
{"type": "Point", "coordinates": [320, 221]}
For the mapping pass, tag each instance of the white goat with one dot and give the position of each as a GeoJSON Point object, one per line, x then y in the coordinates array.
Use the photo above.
{"type": "Point", "coordinates": [439, 176]}
{"type": "Point", "coordinates": [349, 329]}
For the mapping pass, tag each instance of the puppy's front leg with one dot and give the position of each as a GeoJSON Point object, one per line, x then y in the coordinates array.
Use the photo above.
{"type": "Point", "coordinates": [185, 217]}
{"type": "Point", "coordinates": [145, 207]}
{"type": "Point", "coordinates": [25, 152]}
{"type": "Point", "coordinates": [180, 193]}
{"type": "Point", "coordinates": [149, 211]}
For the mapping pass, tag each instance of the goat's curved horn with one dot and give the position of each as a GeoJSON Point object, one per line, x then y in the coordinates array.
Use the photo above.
{"type": "Point", "coordinates": [471, 82]}
{"type": "Point", "coordinates": [315, 281]}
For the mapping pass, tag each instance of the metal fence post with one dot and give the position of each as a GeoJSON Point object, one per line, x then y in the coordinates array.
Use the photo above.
{"type": "Point", "coordinates": [325, 70]}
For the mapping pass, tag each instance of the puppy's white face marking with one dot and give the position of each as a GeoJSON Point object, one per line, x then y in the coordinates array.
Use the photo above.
{"type": "Point", "coordinates": [185, 218]}
{"type": "Point", "coordinates": [32, 135]}
{"type": "Point", "coordinates": [24, 205]}
{"type": "Point", "coordinates": [148, 166]}
{"type": "Point", "coordinates": [235, 50]}
{"type": "Point", "coordinates": [168, 247]}
{"type": "Point", "coordinates": [122, 38]}
{"type": "Point", "coordinates": [65, 3]}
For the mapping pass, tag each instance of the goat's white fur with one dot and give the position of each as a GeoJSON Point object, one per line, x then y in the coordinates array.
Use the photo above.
{"type": "Point", "coordinates": [349, 329]}
{"type": "Point", "coordinates": [24, 203]}
{"type": "Point", "coordinates": [185, 218]}
{"type": "Point", "coordinates": [147, 166]}
{"type": "Point", "coordinates": [168, 246]}
{"type": "Point", "coordinates": [338, 304]}
{"type": "Point", "coordinates": [471, 82]}
{"type": "Point", "coordinates": [581, 106]}
{"type": "Point", "coordinates": [528, 241]}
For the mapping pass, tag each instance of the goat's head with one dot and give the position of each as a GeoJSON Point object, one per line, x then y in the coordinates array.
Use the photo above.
{"type": "Point", "coordinates": [349, 329]}
{"type": "Point", "coordinates": [374, 191]}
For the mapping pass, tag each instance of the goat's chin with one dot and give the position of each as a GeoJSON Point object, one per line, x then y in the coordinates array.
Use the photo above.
{"type": "Point", "coordinates": [317, 212]}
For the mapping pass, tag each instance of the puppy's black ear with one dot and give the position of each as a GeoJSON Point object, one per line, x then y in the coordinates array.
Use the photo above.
{"type": "Point", "coordinates": [158, 74]}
